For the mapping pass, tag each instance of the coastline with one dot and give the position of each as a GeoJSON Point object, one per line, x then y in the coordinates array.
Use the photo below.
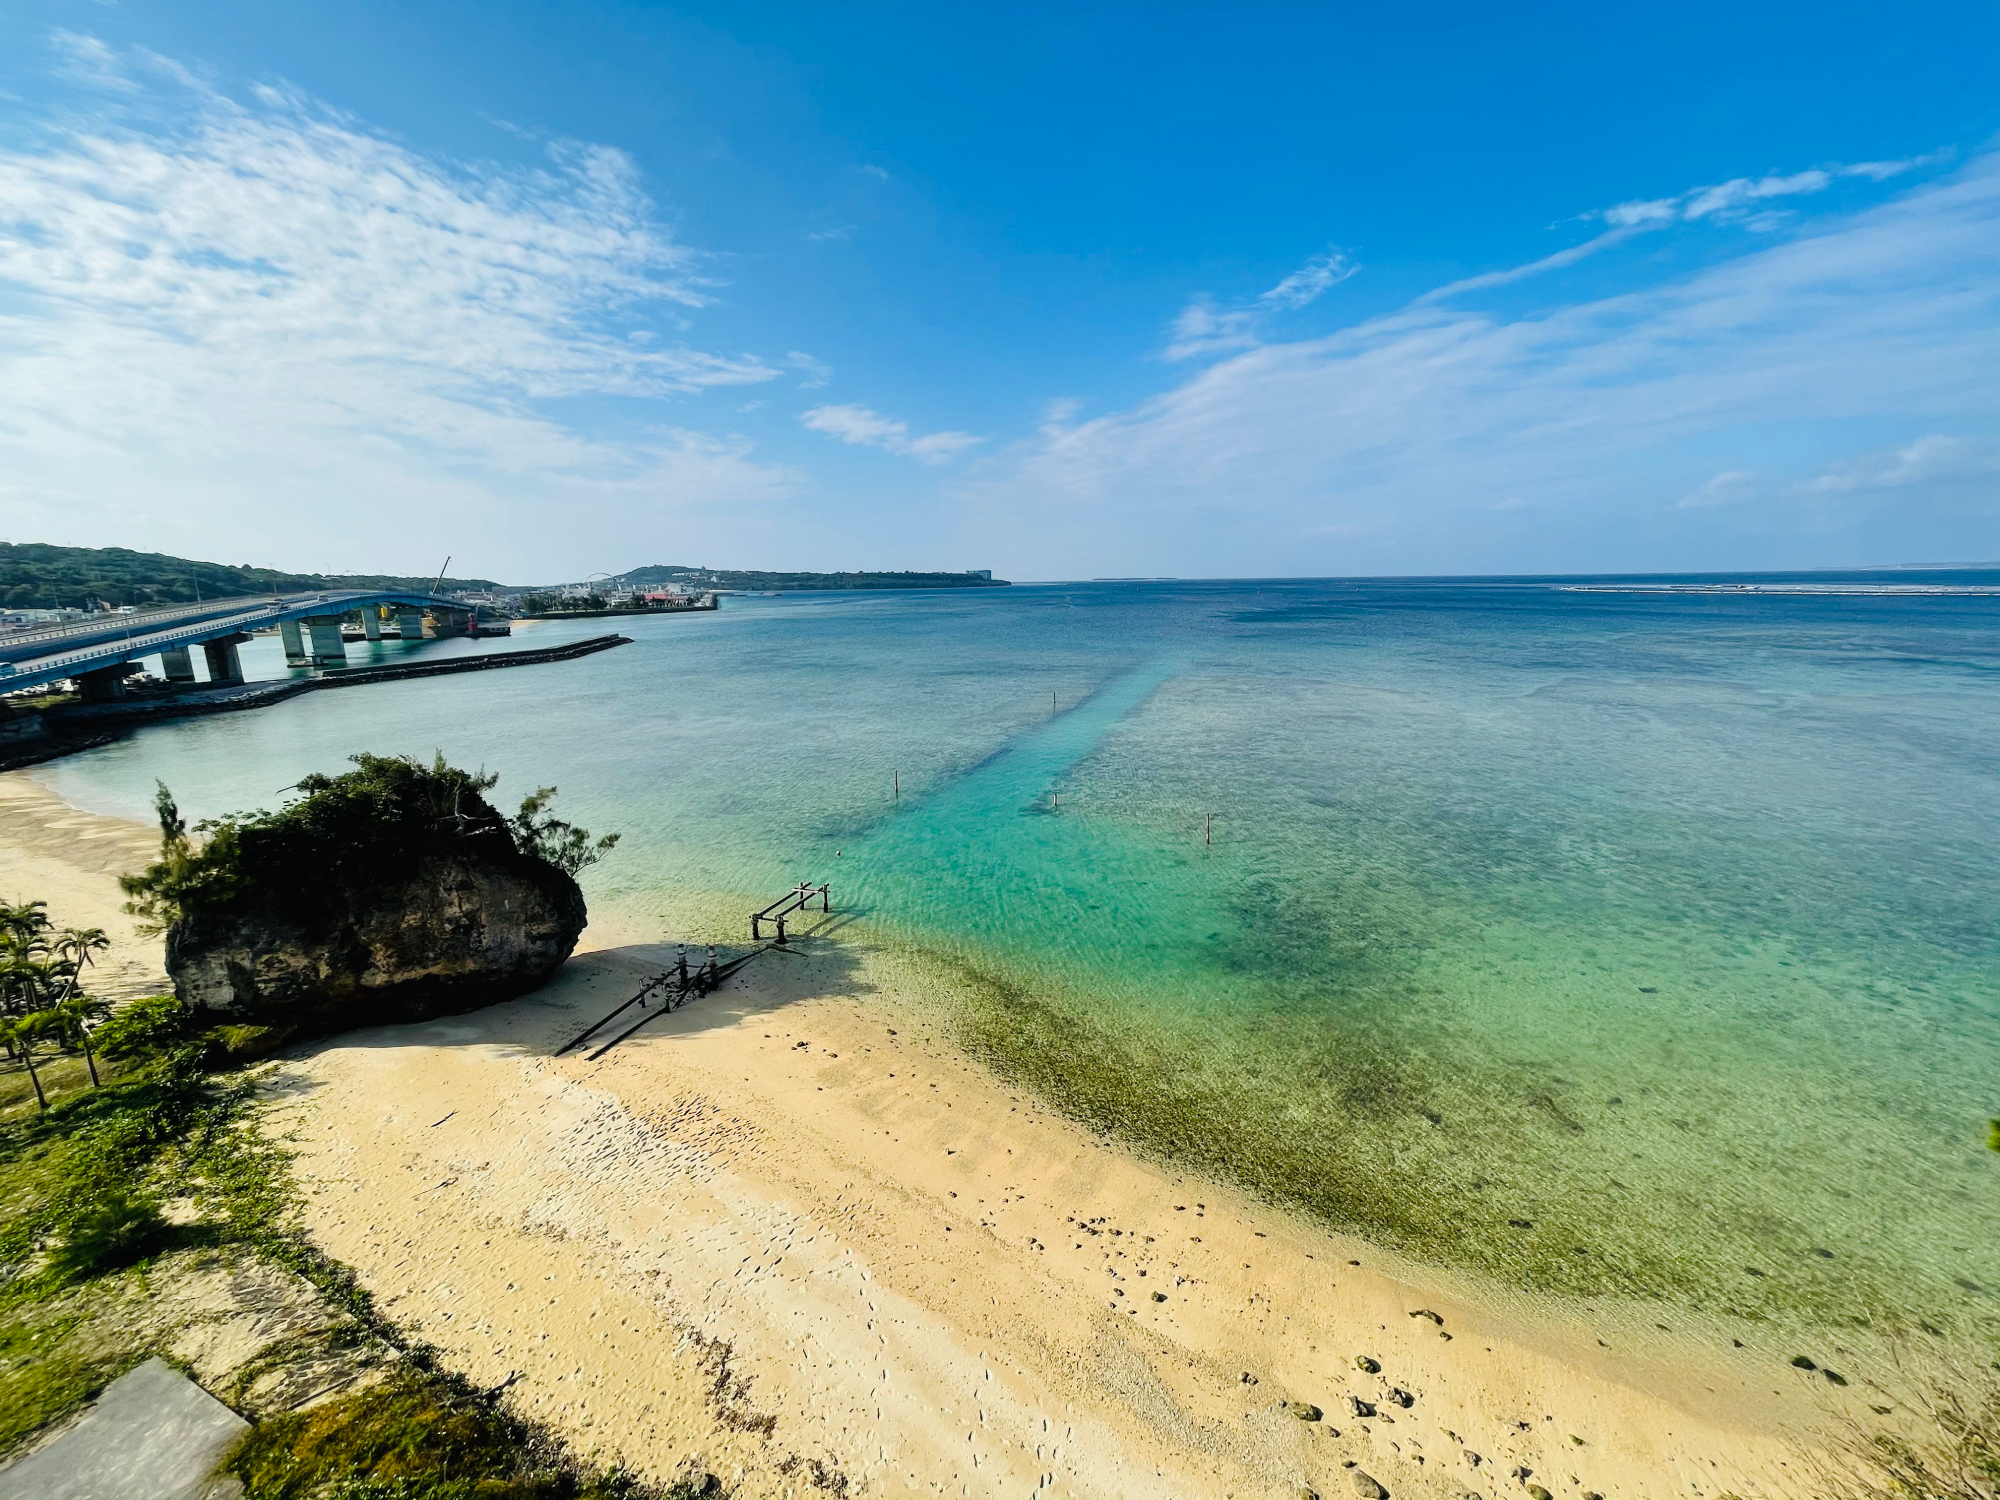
{"type": "Point", "coordinates": [791, 1233]}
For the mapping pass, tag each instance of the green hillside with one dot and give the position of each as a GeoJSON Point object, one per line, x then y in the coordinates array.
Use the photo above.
{"type": "Point", "coordinates": [35, 575]}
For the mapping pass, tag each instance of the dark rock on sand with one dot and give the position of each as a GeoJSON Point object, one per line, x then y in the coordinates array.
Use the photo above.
{"type": "Point", "coordinates": [1305, 1411]}
{"type": "Point", "coordinates": [1367, 1485]}
{"type": "Point", "coordinates": [1366, 1365]}
{"type": "Point", "coordinates": [449, 933]}
{"type": "Point", "coordinates": [1359, 1407]}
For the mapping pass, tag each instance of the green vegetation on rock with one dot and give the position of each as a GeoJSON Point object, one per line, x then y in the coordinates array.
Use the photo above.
{"type": "Point", "coordinates": [390, 811]}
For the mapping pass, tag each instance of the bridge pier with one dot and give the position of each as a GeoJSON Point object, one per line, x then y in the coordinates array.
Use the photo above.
{"type": "Point", "coordinates": [411, 623]}
{"type": "Point", "coordinates": [371, 622]}
{"type": "Point", "coordinates": [106, 684]}
{"type": "Point", "coordinates": [224, 665]}
{"type": "Point", "coordinates": [295, 646]}
{"type": "Point", "coordinates": [446, 622]}
{"type": "Point", "coordinates": [328, 649]}
{"type": "Point", "coordinates": [177, 665]}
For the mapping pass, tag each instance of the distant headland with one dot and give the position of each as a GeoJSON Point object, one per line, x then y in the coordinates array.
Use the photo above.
{"type": "Point", "coordinates": [667, 575]}
{"type": "Point", "coordinates": [38, 577]}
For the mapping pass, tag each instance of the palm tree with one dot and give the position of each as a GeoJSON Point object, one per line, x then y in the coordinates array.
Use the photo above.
{"type": "Point", "coordinates": [70, 1019]}
{"type": "Point", "coordinates": [74, 945]}
{"type": "Point", "coordinates": [23, 944]}
{"type": "Point", "coordinates": [22, 1034]}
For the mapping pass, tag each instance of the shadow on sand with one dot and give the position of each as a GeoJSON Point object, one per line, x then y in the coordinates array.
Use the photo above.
{"type": "Point", "coordinates": [812, 965]}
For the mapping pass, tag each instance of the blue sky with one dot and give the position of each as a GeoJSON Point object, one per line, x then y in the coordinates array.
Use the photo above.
{"type": "Point", "coordinates": [1057, 290]}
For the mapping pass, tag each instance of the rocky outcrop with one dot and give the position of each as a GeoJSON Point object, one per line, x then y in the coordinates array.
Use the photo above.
{"type": "Point", "coordinates": [453, 931]}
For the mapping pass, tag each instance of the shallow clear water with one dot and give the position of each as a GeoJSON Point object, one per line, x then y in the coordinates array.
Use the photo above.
{"type": "Point", "coordinates": [1595, 942]}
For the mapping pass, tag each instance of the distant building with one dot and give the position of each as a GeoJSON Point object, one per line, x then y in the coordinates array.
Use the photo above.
{"type": "Point", "coordinates": [986, 573]}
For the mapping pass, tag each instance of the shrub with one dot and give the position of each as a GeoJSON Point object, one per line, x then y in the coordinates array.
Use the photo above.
{"type": "Point", "coordinates": [389, 812]}
{"type": "Point", "coordinates": [143, 1028]}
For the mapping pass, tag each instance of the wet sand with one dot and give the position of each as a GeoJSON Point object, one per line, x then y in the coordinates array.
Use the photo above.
{"type": "Point", "coordinates": [791, 1237]}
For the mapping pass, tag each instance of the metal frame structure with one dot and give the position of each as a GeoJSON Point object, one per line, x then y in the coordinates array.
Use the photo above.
{"type": "Point", "coordinates": [792, 901]}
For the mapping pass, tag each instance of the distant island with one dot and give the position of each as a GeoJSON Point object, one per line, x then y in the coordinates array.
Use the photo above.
{"type": "Point", "coordinates": [667, 575]}
{"type": "Point", "coordinates": [40, 576]}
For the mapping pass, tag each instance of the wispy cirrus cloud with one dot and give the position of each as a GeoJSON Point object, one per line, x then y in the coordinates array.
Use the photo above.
{"type": "Point", "coordinates": [1206, 328]}
{"type": "Point", "coordinates": [1932, 459]}
{"type": "Point", "coordinates": [1307, 283]}
{"type": "Point", "coordinates": [1739, 199]}
{"type": "Point", "coordinates": [870, 429]}
{"type": "Point", "coordinates": [1730, 487]}
{"type": "Point", "coordinates": [1689, 421]}
{"type": "Point", "coordinates": [214, 298]}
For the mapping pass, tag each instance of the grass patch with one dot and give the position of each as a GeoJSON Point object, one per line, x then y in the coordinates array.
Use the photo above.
{"type": "Point", "coordinates": [53, 1358]}
{"type": "Point", "coordinates": [81, 1230]}
{"type": "Point", "coordinates": [413, 1439]}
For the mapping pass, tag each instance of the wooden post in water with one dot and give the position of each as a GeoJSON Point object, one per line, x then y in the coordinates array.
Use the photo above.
{"type": "Point", "coordinates": [898, 784]}
{"type": "Point", "coordinates": [1058, 801]}
{"type": "Point", "coordinates": [1208, 830]}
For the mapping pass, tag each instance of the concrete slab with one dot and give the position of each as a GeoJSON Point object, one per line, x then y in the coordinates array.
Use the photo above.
{"type": "Point", "coordinates": [153, 1435]}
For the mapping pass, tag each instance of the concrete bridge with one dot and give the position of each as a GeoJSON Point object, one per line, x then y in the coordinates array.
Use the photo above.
{"type": "Point", "coordinates": [100, 654]}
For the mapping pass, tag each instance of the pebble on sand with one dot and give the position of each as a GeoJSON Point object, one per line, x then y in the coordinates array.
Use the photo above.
{"type": "Point", "coordinates": [1367, 1485]}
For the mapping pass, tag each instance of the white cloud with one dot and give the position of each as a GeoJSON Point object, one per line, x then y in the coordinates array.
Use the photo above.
{"type": "Point", "coordinates": [1730, 487]}
{"type": "Point", "coordinates": [267, 313]}
{"type": "Point", "coordinates": [1310, 280]}
{"type": "Point", "coordinates": [858, 424]}
{"type": "Point", "coordinates": [1204, 328]}
{"type": "Point", "coordinates": [1881, 320]}
{"type": "Point", "coordinates": [812, 374]}
{"type": "Point", "coordinates": [1930, 459]}
{"type": "Point", "coordinates": [1555, 262]}
{"type": "Point", "coordinates": [1731, 201]}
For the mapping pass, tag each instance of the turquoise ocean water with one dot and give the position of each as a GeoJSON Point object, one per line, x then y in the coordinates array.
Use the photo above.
{"type": "Point", "coordinates": [1594, 943]}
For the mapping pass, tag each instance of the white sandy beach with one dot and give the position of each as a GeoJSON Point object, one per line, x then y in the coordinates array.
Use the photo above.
{"type": "Point", "coordinates": [790, 1237]}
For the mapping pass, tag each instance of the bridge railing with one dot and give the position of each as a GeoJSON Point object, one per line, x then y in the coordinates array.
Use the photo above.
{"type": "Point", "coordinates": [145, 619]}
{"type": "Point", "coordinates": [20, 643]}
{"type": "Point", "coordinates": [148, 643]}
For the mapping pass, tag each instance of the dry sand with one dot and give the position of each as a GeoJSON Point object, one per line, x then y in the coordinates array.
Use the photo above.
{"type": "Point", "coordinates": [790, 1237]}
